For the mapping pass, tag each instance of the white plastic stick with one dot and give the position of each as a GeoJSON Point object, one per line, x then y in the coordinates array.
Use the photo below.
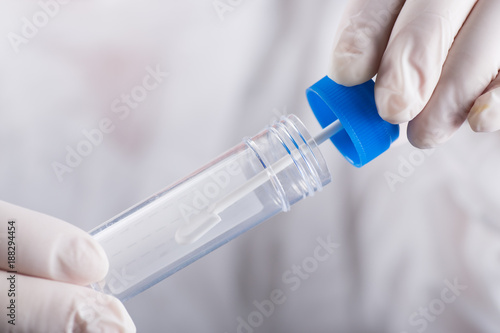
{"type": "Point", "coordinates": [262, 177]}
{"type": "Point", "coordinates": [328, 132]}
{"type": "Point", "coordinates": [251, 185]}
{"type": "Point", "coordinates": [208, 219]}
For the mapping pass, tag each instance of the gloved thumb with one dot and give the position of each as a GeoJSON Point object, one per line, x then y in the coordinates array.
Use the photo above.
{"type": "Point", "coordinates": [49, 248]}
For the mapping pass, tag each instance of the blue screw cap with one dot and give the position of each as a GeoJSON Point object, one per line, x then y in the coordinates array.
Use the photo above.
{"type": "Point", "coordinates": [364, 135]}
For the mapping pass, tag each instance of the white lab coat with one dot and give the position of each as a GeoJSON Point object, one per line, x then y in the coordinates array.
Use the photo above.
{"type": "Point", "coordinates": [402, 248]}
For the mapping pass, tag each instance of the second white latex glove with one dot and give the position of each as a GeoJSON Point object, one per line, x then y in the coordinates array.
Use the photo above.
{"type": "Point", "coordinates": [437, 63]}
{"type": "Point", "coordinates": [54, 260]}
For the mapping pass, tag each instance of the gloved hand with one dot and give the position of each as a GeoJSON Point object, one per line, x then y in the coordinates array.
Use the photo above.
{"type": "Point", "coordinates": [54, 261]}
{"type": "Point", "coordinates": [437, 63]}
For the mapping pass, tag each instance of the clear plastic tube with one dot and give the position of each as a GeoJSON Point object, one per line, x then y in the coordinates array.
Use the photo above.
{"type": "Point", "coordinates": [255, 180]}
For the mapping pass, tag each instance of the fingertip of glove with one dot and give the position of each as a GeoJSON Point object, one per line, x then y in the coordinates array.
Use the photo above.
{"type": "Point", "coordinates": [81, 260]}
{"type": "Point", "coordinates": [346, 73]}
{"type": "Point", "coordinates": [422, 144]}
{"type": "Point", "coordinates": [100, 262]}
{"type": "Point", "coordinates": [423, 137]}
{"type": "Point", "coordinates": [97, 312]}
{"type": "Point", "coordinates": [483, 117]}
{"type": "Point", "coordinates": [117, 319]}
{"type": "Point", "coordinates": [392, 106]}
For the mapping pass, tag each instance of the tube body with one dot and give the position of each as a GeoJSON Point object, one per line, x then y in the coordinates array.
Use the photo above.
{"type": "Point", "coordinates": [253, 181]}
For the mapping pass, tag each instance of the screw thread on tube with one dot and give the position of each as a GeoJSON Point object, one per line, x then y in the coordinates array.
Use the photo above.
{"type": "Point", "coordinates": [210, 217]}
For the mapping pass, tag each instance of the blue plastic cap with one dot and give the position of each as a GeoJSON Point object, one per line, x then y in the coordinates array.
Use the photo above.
{"type": "Point", "coordinates": [364, 135]}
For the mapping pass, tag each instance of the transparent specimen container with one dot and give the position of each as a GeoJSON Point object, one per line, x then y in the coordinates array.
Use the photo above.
{"type": "Point", "coordinates": [260, 177]}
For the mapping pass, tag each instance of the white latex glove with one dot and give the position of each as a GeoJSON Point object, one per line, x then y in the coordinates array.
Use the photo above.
{"type": "Point", "coordinates": [54, 261]}
{"type": "Point", "coordinates": [437, 62]}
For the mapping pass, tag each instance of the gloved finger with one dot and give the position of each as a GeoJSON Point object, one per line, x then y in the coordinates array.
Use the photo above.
{"type": "Point", "coordinates": [471, 66]}
{"type": "Point", "coordinates": [361, 39]}
{"type": "Point", "coordinates": [418, 48]}
{"type": "Point", "coordinates": [485, 114]}
{"type": "Point", "coordinates": [50, 248]}
{"type": "Point", "coordinates": [46, 306]}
